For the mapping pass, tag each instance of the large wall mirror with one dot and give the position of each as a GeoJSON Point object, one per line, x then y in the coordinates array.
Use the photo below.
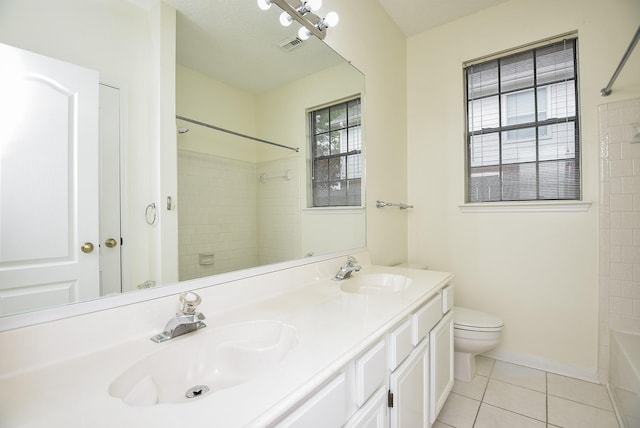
{"type": "Point", "coordinates": [176, 196]}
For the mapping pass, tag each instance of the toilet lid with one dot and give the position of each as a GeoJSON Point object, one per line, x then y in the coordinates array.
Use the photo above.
{"type": "Point", "coordinates": [470, 319]}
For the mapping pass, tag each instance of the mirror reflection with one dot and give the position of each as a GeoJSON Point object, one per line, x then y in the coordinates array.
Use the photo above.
{"type": "Point", "coordinates": [174, 200]}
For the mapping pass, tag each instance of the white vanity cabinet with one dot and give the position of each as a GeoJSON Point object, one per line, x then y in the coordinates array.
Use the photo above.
{"type": "Point", "coordinates": [402, 380]}
{"type": "Point", "coordinates": [420, 385]}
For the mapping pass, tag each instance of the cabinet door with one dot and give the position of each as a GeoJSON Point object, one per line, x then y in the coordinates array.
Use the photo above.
{"type": "Point", "coordinates": [406, 384]}
{"type": "Point", "coordinates": [327, 408]}
{"type": "Point", "coordinates": [441, 371]}
{"type": "Point", "coordinates": [371, 372]}
{"type": "Point", "coordinates": [373, 414]}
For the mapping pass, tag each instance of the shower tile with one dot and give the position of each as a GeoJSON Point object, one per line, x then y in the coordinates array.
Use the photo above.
{"type": "Point", "coordinates": [621, 305]}
{"type": "Point", "coordinates": [622, 271]}
{"type": "Point", "coordinates": [620, 202]}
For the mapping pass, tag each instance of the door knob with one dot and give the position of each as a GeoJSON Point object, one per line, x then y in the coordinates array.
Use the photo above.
{"type": "Point", "coordinates": [110, 243]}
{"type": "Point", "coordinates": [87, 247]}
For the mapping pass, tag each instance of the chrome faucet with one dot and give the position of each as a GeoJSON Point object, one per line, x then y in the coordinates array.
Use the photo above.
{"type": "Point", "coordinates": [346, 270]}
{"type": "Point", "coordinates": [186, 319]}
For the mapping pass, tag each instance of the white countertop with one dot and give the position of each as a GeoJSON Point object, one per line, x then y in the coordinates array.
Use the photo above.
{"type": "Point", "coordinates": [332, 327]}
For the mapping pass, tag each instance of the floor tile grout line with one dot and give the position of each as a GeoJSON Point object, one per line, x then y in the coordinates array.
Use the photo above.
{"type": "Point", "coordinates": [546, 397]}
{"type": "Point", "coordinates": [521, 386]}
{"type": "Point", "coordinates": [581, 402]}
{"type": "Point", "coordinates": [514, 412]}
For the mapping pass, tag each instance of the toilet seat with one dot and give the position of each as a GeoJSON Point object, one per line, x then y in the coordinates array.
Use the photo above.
{"type": "Point", "coordinates": [471, 320]}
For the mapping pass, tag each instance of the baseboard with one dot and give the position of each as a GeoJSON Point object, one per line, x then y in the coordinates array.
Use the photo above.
{"type": "Point", "coordinates": [548, 365]}
{"type": "Point", "coordinates": [616, 408]}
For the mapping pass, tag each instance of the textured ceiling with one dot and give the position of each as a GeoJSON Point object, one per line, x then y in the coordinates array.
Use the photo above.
{"type": "Point", "coordinates": [416, 16]}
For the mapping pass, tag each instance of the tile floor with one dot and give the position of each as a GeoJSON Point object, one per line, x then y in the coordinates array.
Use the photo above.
{"type": "Point", "coordinates": [505, 395]}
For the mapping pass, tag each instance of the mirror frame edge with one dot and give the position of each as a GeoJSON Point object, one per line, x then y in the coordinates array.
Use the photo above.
{"type": "Point", "coordinates": [26, 319]}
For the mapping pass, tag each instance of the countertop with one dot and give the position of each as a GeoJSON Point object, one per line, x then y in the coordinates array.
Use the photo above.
{"type": "Point", "coordinates": [332, 328]}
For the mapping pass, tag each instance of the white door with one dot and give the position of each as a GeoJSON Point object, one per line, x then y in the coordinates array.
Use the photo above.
{"type": "Point", "coordinates": [110, 229]}
{"type": "Point", "coordinates": [48, 182]}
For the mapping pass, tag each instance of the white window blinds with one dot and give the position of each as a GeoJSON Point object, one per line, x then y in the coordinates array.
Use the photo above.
{"type": "Point", "coordinates": [522, 126]}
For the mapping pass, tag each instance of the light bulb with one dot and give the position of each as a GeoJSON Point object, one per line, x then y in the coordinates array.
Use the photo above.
{"type": "Point", "coordinates": [313, 5]}
{"type": "Point", "coordinates": [285, 19]}
{"type": "Point", "coordinates": [264, 4]}
{"type": "Point", "coordinates": [303, 33]}
{"type": "Point", "coordinates": [331, 20]}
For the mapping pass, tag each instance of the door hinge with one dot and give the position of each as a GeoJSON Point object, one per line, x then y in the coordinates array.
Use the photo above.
{"type": "Point", "coordinates": [390, 399]}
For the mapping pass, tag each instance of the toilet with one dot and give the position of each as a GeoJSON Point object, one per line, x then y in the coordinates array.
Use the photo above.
{"type": "Point", "coordinates": [474, 333]}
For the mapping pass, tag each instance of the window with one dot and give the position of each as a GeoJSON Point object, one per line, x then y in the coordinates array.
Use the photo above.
{"type": "Point", "coordinates": [336, 147]}
{"type": "Point", "coordinates": [522, 126]}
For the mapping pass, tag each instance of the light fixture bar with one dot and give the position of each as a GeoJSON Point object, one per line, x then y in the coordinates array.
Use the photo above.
{"type": "Point", "coordinates": [293, 13]}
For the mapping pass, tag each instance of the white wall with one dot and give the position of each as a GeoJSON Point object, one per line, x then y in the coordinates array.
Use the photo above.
{"type": "Point", "coordinates": [368, 38]}
{"type": "Point", "coordinates": [537, 271]}
{"type": "Point", "coordinates": [204, 99]}
{"type": "Point", "coordinates": [322, 230]}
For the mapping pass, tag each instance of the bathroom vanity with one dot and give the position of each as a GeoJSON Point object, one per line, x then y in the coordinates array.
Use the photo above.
{"type": "Point", "coordinates": [291, 348]}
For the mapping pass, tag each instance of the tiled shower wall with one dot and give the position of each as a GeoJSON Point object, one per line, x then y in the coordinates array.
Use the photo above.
{"type": "Point", "coordinates": [278, 211]}
{"type": "Point", "coordinates": [217, 215]}
{"type": "Point", "coordinates": [230, 219]}
{"type": "Point", "coordinates": [619, 223]}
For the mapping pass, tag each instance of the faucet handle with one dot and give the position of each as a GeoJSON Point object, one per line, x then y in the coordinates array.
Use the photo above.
{"type": "Point", "coordinates": [351, 260]}
{"type": "Point", "coordinates": [189, 302]}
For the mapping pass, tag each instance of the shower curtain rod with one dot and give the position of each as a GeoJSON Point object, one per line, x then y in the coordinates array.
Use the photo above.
{"type": "Point", "coordinates": [217, 128]}
{"type": "Point", "coordinates": [606, 91]}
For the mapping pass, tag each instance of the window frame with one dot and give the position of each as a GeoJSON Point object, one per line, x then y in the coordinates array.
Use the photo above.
{"type": "Point", "coordinates": [502, 131]}
{"type": "Point", "coordinates": [343, 156]}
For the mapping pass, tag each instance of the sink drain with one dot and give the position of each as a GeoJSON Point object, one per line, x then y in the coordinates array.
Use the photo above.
{"type": "Point", "coordinates": [196, 391]}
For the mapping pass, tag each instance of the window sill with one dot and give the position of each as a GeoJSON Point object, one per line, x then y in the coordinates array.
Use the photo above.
{"type": "Point", "coordinates": [333, 210]}
{"type": "Point", "coordinates": [538, 206]}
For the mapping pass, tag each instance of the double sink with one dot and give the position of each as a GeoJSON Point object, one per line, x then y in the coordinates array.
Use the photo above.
{"type": "Point", "coordinates": [221, 357]}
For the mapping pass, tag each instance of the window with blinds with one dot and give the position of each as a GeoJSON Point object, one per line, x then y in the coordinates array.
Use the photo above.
{"type": "Point", "coordinates": [336, 147]}
{"type": "Point", "coordinates": [522, 126]}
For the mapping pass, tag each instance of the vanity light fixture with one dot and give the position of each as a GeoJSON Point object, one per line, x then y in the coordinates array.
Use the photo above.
{"type": "Point", "coordinates": [285, 19]}
{"type": "Point", "coordinates": [304, 33]}
{"type": "Point", "coordinates": [304, 13]}
{"type": "Point", "coordinates": [264, 4]}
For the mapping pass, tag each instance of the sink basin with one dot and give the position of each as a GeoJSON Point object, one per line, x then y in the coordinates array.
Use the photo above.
{"type": "Point", "coordinates": [375, 283]}
{"type": "Point", "coordinates": [198, 365]}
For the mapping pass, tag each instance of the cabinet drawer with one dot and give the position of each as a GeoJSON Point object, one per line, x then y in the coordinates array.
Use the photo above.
{"type": "Point", "coordinates": [447, 299]}
{"type": "Point", "coordinates": [399, 344]}
{"type": "Point", "coordinates": [425, 318]}
{"type": "Point", "coordinates": [370, 372]}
